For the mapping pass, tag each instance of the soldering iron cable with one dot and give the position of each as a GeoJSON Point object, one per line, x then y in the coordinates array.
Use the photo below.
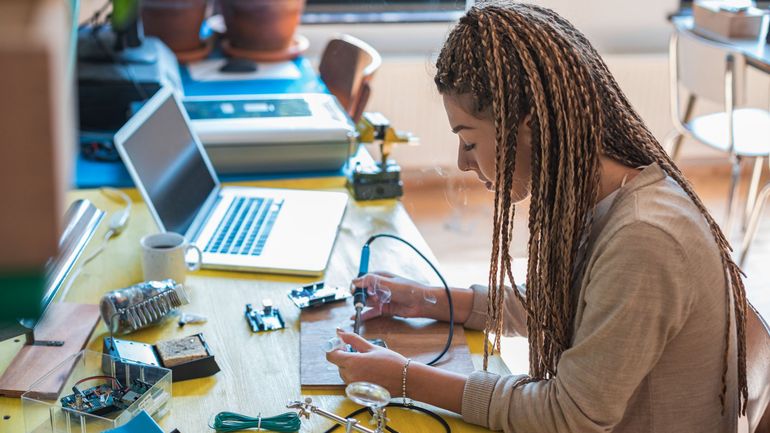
{"type": "Point", "coordinates": [361, 292]}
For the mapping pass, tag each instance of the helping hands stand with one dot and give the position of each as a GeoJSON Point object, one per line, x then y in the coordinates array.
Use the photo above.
{"type": "Point", "coordinates": [381, 180]}
{"type": "Point", "coordinates": [366, 394]}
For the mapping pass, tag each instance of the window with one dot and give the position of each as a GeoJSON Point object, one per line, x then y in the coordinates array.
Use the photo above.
{"type": "Point", "coordinates": [762, 4]}
{"type": "Point", "coordinates": [379, 11]}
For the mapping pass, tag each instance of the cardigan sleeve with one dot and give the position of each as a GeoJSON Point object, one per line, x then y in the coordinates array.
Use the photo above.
{"type": "Point", "coordinates": [514, 316]}
{"type": "Point", "coordinates": [636, 300]}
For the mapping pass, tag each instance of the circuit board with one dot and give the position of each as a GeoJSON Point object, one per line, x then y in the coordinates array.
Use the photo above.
{"type": "Point", "coordinates": [317, 294]}
{"type": "Point", "coordinates": [268, 318]}
{"type": "Point", "coordinates": [105, 398]}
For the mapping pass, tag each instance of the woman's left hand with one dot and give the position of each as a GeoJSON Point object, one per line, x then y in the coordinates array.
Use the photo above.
{"type": "Point", "coordinates": [369, 363]}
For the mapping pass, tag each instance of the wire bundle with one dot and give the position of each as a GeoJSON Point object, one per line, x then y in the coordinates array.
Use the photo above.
{"type": "Point", "coordinates": [230, 421]}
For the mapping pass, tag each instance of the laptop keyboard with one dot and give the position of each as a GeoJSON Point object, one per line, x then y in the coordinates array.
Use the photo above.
{"type": "Point", "coordinates": [245, 226]}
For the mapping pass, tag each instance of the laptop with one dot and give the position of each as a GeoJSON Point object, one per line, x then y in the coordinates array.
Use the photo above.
{"type": "Point", "coordinates": [237, 228]}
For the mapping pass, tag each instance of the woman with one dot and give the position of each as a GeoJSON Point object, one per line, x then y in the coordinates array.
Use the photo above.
{"type": "Point", "coordinates": [633, 308]}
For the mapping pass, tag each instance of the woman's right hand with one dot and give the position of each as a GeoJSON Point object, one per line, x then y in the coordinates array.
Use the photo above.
{"type": "Point", "coordinates": [390, 295]}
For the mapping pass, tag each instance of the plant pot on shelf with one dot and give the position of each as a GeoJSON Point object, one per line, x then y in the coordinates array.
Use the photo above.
{"type": "Point", "coordinates": [262, 28]}
{"type": "Point", "coordinates": [177, 23]}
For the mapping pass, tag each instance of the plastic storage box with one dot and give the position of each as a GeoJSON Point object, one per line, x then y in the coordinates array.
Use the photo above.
{"type": "Point", "coordinates": [42, 403]}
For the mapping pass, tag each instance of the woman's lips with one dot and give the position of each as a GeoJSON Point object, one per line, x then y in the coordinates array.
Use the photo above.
{"type": "Point", "coordinates": [487, 183]}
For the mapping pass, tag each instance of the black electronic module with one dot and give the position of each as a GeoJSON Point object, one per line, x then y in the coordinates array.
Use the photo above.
{"type": "Point", "coordinates": [266, 319]}
{"type": "Point", "coordinates": [317, 294]}
{"type": "Point", "coordinates": [104, 398]}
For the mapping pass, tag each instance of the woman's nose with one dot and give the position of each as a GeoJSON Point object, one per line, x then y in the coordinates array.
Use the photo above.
{"type": "Point", "coordinates": [463, 162]}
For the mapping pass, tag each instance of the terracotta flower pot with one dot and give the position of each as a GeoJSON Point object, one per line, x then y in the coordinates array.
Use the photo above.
{"type": "Point", "coordinates": [261, 25]}
{"type": "Point", "coordinates": [176, 22]}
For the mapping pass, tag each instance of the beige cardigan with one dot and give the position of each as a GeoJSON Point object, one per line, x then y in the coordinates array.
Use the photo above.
{"type": "Point", "coordinates": [649, 330]}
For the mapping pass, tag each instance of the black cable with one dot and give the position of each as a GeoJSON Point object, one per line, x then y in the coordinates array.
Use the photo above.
{"type": "Point", "coordinates": [94, 18]}
{"type": "Point", "coordinates": [443, 281]}
{"type": "Point", "coordinates": [431, 414]}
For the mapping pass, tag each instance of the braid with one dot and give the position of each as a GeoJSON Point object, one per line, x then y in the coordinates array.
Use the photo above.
{"type": "Point", "coordinates": [513, 58]}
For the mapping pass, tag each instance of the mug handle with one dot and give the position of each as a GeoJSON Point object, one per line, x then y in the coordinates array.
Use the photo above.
{"type": "Point", "coordinates": [197, 264]}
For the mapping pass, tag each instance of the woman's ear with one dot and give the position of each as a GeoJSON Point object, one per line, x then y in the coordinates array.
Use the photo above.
{"type": "Point", "coordinates": [528, 121]}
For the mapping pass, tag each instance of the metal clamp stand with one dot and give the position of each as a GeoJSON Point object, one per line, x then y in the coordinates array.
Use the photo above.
{"type": "Point", "coordinates": [366, 394]}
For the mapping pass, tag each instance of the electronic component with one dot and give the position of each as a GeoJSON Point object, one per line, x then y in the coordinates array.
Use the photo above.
{"type": "Point", "coordinates": [317, 294]}
{"type": "Point", "coordinates": [375, 181]}
{"type": "Point", "coordinates": [141, 305]}
{"type": "Point", "coordinates": [186, 318]}
{"type": "Point", "coordinates": [98, 146]}
{"type": "Point", "coordinates": [188, 357]}
{"type": "Point", "coordinates": [378, 180]}
{"type": "Point", "coordinates": [266, 319]}
{"type": "Point", "coordinates": [335, 343]}
{"type": "Point", "coordinates": [105, 398]}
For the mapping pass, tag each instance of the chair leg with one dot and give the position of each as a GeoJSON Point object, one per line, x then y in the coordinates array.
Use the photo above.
{"type": "Point", "coordinates": [668, 141]}
{"type": "Point", "coordinates": [732, 202]}
{"type": "Point", "coordinates": [676, 147]}
{"type": "Point", "coordinates": [751, 229]}
{"type": "Point", "coordinates": [679, 138]}
{"type": "Point", "coordinates": [756, 175]}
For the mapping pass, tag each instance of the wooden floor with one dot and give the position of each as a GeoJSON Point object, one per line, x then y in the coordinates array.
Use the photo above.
{"type": "Point", "coordinates": [454, 213]}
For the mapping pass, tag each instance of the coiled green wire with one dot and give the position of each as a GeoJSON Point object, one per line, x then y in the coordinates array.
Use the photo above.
{"type": "Point", "coordinates": [229, 422]}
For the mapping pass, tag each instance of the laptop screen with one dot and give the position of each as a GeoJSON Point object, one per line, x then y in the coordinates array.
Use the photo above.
{"type": "Point", "coordinates": [170, 165]}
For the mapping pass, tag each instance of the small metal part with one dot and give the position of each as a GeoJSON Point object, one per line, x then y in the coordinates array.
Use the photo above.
{"type": "Point", "coordinates": [314, 295]}
{"type": "Point", "coordinates": [335, 343]}
{"type": "Point", "coordinates": [268, 318]}
{"type": "Point", "coordinates": [357, 320]}
{"type": "Point", "coordinates": [186, 318]}
{"type": "Point", "coordinates": [377, 342]}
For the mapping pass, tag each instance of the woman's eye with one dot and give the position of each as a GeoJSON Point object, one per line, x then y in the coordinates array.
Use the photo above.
{"type": "Point", "coordinates": [469, 146]}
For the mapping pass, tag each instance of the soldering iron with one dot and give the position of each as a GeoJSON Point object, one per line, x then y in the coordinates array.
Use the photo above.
{"type": "Point", "coordinates": [359, 293]}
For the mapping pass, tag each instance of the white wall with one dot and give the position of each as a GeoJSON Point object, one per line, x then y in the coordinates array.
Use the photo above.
{"type": "Point", "coordinates": [631, 35]}
{"type": "Point", "coordinates": [614, 26]}
{"type": "Point", "coordinates": [404, 91]}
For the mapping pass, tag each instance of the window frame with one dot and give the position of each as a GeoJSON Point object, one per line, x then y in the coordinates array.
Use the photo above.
{"type": "Point", "coordinates": [335, 14]}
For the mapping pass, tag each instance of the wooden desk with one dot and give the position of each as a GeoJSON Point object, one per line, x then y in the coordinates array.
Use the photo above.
{"type": "Point", "coordinates": [260, 372]}
{"type": "Point", "coordinates": [757, 51]}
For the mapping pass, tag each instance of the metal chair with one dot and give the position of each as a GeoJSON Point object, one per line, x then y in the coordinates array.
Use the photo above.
{"type": "Point", "coordinates": [753, 223]}
{"type": "Point", "coordinates": [757, 374]}
{"type": "Point", "coordinates": [347, 67]}
{"type": "Point", "coordinates": [740, 132]}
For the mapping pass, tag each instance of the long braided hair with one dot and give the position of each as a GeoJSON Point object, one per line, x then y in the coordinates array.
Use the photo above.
{"type": "Point", "coordinates": [519, 60]}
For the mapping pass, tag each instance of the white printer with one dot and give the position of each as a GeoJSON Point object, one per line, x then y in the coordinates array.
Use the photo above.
{"type": "Point", "coordinates": [273, 133]}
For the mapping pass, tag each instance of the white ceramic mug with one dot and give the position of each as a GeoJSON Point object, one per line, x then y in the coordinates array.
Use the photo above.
{"type": "Point", "coordinates": [163, 256]}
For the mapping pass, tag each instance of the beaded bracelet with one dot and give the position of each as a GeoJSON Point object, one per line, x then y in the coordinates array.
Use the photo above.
{"type": "Point", "coordinates": [406, 401]}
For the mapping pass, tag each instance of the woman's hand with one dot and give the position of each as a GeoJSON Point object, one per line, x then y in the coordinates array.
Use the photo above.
{"type": "Point", "coordinates": [385, 367]}
{"type": "Point", "coordinates": [369, 363]}
{"type": "Point", "coordinates": [390, 295]}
